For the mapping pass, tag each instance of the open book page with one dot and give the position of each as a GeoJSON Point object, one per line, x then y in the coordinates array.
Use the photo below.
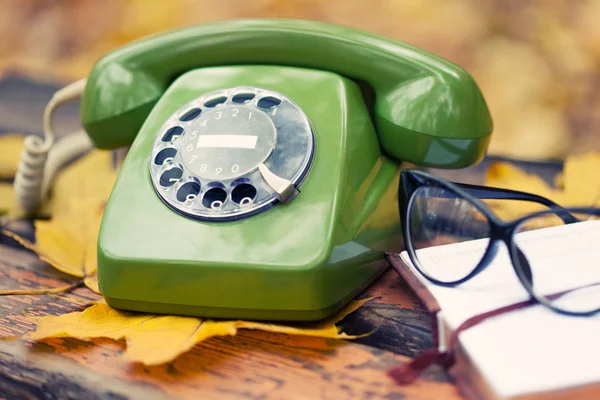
{"type": "Point", "coordinates": [534, 349]}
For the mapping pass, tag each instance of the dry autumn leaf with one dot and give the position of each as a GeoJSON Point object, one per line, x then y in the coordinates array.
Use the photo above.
{"type": "Point", "coordinates": [68, 240]}
{"type": "Point", "coordinates": [79, 196]}
{"type": "Point", "coordinates": [158, 339]}
{"type": "Point", "coordinates": [577, 186]}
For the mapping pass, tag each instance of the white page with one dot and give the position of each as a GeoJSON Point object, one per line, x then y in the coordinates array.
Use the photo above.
{"type": "Point", "coordinates": [535, 349]}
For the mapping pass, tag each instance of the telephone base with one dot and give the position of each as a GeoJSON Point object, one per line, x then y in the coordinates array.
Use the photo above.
{"type": "Point", "coordinates": [249, 314]}
{"type": "Point", "coordinates": [298, 261]}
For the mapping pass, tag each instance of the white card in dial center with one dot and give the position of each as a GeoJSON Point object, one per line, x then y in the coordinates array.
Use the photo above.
{"type": "Point", "coordinates": [228, 141]}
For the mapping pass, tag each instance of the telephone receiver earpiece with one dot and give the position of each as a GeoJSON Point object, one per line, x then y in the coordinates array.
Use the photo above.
{"type": "Point", "coordinates": [427, 111]}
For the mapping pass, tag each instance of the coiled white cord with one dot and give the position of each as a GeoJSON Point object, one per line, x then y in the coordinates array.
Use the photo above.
{"type": "Point", "coordinates": [40, 159]}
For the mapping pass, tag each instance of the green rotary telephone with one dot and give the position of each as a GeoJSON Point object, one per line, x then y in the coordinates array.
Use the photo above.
{"type": "Point", "coordinates": [263, 169]}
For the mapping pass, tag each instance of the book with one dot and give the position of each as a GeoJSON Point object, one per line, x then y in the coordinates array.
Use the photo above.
{"type": "Point", "coordinates": [529, 353]}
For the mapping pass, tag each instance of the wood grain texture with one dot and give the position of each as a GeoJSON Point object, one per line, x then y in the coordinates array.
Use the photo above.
{"type": "Point", "coordinates": [255, 365]}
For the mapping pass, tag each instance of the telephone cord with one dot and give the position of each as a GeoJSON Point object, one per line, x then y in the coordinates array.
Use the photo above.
{"type": "Point", "coordinates": [42, 158]}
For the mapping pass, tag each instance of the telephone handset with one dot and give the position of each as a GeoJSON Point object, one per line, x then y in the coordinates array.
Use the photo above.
{"type": "Point", "coordinates": [262, 175]}
{"type": "Point", "coordinates": [434, 106]}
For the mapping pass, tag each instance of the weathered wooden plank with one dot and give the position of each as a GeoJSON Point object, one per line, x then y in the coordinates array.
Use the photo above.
{"type": "Point", "coordinates": [401, 322]}
{"type": "Point", "coordinates": [251, 365]}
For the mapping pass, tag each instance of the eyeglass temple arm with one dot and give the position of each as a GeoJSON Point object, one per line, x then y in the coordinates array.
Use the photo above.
{"type": "Point", "coordinates": [492, 193]}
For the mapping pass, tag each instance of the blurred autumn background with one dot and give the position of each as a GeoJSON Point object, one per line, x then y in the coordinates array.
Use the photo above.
{"type": "Point", "coordinates": [537, 62]}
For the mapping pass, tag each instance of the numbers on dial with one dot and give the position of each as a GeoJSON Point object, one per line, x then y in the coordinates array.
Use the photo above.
{"type": "Point", "coordinates": [204, 167]}
{"type": "Point", "coordinates": [209, 171]}
{"type": "Point", "coordinates": [237, 139]}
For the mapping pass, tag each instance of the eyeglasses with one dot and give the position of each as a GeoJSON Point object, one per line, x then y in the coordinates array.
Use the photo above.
{"type": "Point", "coordinates": [437, 212]}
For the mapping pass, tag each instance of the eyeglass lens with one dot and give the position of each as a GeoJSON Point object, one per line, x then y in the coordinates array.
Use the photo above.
{"type": "Point", "coordinates": [438, 217]}
{"type": "Point", "coordinates": [563, 258]}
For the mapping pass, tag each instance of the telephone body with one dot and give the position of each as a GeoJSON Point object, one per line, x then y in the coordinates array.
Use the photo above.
{"type": "Point", "coordinates": [262, 177]}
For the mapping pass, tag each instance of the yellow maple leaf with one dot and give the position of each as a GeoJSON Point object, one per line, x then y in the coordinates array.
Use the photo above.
{"type": "Point", "coordinates": [157, 339]}
{"type": "Point", "coordinates": [11, 145]}
{"type": "Point", "coordinates": [326, 328]}
{"type": "Point", "coordinates": [79, 196]}
{"type": "Point", "coordinates": [68, 240]}
{"type": "Point", "coordinates": [577, 186]}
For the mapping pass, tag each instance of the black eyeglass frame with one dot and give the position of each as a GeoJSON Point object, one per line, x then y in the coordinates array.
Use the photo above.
{"type": "Point", "coordinates": [500, 231]}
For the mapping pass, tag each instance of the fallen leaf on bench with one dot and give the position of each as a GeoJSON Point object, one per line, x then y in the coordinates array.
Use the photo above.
{"type": "Point", "coordinates": [11, 145]}
{"type": "Point", "coordinates": [157, 339]}
{"type": "Point", "coordinates": [577, 186]}
{"type": "Point", "coordinates": [68, 240]}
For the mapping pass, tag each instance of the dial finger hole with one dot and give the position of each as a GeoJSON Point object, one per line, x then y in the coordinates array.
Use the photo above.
{"type": "Point", "coordinates": [170, 176]}
{"type": "Point", "coordinates": [215, 101]}
{"type": "Point", "coordinates": [172, 133]}
{"type": "Point", "coordinates": [242, 98]}
{"type": "Point", "coordinates": [214, 198]}
{"type": "Point", "coordinates": [243, 194]}
{"type": "Point", "coordinates": [188, 192]}
{"type": "Point", "coordinates": [165, 155]}
{"type": "Point", "coordinates": [190, 114]}
{"type": "Point", "coordinates": [268, 102]}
